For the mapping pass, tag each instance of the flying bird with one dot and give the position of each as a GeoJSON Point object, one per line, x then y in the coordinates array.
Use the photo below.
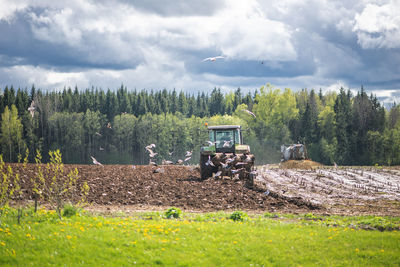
{"type": "Point", "coordinates": [209, 162]}
{"type": "Point", "coordinates": [227, 143]}
{"type": "Point", "coordinates": [99, 134]}
{"type": "Point", "coordinates": [151, 153]}
{"type": "Point", "coordinates": [179, 162]}
{"type": "Point", "coordinates": [170, 153]}
{"type": "Point", "coordinates": [32, 108]}
{"type": "Point", "coordinates": [218, 174]}
{"type": "Point", "coordinates": [150, 146]}
{"type": "Point", "coordinates": [167, 162]}
{"type": "Point", "coordinates": [96, 162]}
{"type": "Point", "coordinates": [109, 125]}
{"type": "Point", "coordinates": [152, 163]}
{"type": "Point", "coordinates": [188, 158]}
{"type": "Point", "coordinates": [249, 112]}
{"type": "Point", "coordinates": [101, 149]}
{"type": "Point", "coordinates": [188, 153]}
{"type": "Point", "coordinates": [212, 58]}
{"type": "Point", "coordinates": [210, 143]}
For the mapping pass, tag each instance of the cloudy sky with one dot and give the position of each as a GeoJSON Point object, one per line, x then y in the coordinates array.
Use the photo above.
{"type": "Point", "coordinates": [149, 44]}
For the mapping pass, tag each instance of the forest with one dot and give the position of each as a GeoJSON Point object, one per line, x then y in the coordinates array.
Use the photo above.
{"type": "Point", "coordinates": [114, 126]}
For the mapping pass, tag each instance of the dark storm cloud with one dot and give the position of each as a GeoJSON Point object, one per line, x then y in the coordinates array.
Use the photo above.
{"type": "Point", "coordinates": [154, 44]}
{"type": "Point", "coordinates": [21, 46]}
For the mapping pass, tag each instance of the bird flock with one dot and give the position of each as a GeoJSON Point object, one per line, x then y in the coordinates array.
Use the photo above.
{"type": "Point", "coordinates": [152, 155]}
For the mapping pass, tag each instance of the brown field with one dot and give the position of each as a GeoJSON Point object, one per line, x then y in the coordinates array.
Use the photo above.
{"type": "Point", "coordinates": [318, 189]}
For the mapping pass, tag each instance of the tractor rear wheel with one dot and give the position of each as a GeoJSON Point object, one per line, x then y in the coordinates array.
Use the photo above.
{"type": "Point", "coordinates": [206, 171]}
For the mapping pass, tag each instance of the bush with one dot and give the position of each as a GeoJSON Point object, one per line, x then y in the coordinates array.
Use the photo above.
{"type": "Point", "coordinates": [69, 211]}
{"type": "Point", "coordinates": [173, 213]}
{"type": "Point", "coordinates": [238, 216]}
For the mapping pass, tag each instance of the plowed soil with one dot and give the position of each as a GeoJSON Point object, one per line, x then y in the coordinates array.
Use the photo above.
{"type": "Point", "coordinates": [122, 187]}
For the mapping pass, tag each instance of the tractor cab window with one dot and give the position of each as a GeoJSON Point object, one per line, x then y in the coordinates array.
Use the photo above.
{"type": "Point", "coordinates": [226, 138]}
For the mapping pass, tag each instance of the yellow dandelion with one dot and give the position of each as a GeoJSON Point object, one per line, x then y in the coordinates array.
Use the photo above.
{"type": "Point", "coordinates": [176, 239]}
{"type": "Point", "coordinates": [270, 241]}
{"type": "Point", "coordinates": [69, 237]}
{"type": "Point", "coordinates": [133, 242]}
{"type": "Point", "coordinates": [13, 252]}
{"type": "Point", "coordinates": [28, 235]}
{"type": "Point", "coordinates": [382, 250]}
{"type": "Point", "coordinates": [357, 250]}
{"type": "Point", "coordinates": [330, 237]}
{"type": "Point", "coordinates": [2, 243]}
{"type": "Point", "coordinates": [162, 249]}
{"type": "Point", "coordinates": [62, 230]}
{"type": "Point", "coordinates": [235, 242]}
{"type": "Point", "coordinates": [1, 230]}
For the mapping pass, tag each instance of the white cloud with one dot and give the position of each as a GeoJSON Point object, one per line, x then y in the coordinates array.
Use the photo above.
{"type": "Point", "coordinates": [9, 7]}
{"type": "Point", "coordinates": [378, 26]}
{"type": "Point", "coordinates": [302, 44]}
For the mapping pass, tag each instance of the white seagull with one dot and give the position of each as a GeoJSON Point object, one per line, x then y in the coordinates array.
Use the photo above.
{"type": "Point", "coordinates": [151, 153]}
{"type": "Point", "coordinates": [209, 162]}
{"type": "Point", "coordinates": [32, 108]}
{"type": "Point", "coordinates": [227, 143]}
{"type": "Point", "coordinates": [212, 58]}
{"type": "Point", "coordinates": [149, 147]}
{"type": "Point", "coordinates": [188, 153]}
{"type": "Point", "coordinates": [251, 113]}
{"type": "Point", "coordinates": [210, 143]}
{"type": "Point", "coordinates": [96, 162]}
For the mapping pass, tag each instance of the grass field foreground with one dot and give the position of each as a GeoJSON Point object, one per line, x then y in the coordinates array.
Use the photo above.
{"type": "Point", "coordinates": [209, 239]}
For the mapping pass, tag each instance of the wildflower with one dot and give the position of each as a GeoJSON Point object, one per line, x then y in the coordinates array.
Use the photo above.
{"type": "Point", "coordinates": [235, 242]}
{"type": "Point", "coordinates": [28, 235]}
{"type": "Point", "coordinates": [69, 237]}
{"type": "Point", "coordinates": [62, 230]}
{"type": "Point", "coordinates": [13, 252]}
{"type": "Point", "coordinates": [2, 243]}
{"type": "Point", "coordinates": [133, 242]}
{"type": "Point", "coordinates": [382, 250]}
{"type": "Point", "coordinates": [357, 250]}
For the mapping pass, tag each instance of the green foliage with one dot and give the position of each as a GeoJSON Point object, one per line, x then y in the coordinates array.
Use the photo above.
{"type": "Point", "coordinates": [238, 216]}
{"type": "Point", "coordinates": [187, 242]}
{"type": "Point", "coordinates": [342, 128]}
{"type": "Point", "coordinates": [69, 211]}
{"type": "Point", "coordinates": [11, 132]}
{"type": "Point", "coordinates": [271, 215]}
{"type": "Point", "coordinates": [173, 212]}
{"type": "Point", "coordinates": [9, 183]}
{"type": "Point", "coordinates": [55, 185]}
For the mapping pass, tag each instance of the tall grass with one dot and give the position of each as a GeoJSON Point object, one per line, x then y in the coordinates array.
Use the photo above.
{"type": "Point", "coordinates": [210, 239]}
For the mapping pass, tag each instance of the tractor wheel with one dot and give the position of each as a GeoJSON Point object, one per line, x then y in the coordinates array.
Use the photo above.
{"type": "Point", "coordinates": [206, 170]}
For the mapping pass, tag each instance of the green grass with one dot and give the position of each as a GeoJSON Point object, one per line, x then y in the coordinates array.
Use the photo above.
{"type": "Point", "coordinates": [210, 239]}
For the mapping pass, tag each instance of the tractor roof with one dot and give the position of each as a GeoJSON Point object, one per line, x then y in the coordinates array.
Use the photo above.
{"type": "Point", "coordinates": [224, 127]}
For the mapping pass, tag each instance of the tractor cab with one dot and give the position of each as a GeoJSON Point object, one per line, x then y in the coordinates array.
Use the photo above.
{"type": "Point", "coordinates": [225, 137]}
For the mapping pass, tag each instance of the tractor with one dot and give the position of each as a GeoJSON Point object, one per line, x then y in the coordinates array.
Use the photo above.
{"type": "Point", "coordinates": [225, 154]}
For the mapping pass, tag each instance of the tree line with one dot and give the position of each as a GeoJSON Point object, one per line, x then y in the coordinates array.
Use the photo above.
{"type": "Point", "coordinates": [115, 125]}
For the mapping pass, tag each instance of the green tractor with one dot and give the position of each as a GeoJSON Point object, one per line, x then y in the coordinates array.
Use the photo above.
{"type": "Point", "coordinates": [226, 154]}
